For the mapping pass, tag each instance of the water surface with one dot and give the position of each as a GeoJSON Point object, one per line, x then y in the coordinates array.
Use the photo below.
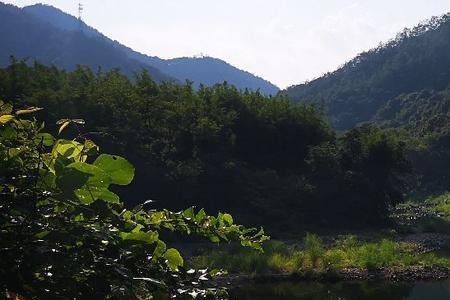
{"type": "Point", "coordinates": [368, 290]}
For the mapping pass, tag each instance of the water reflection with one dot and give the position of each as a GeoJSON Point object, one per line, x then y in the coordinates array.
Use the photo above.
{"type": "Point", "coordinates": [438, 290]}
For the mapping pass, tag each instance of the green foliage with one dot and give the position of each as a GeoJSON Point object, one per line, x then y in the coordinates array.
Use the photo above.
{"type": "Point", "coordinates": [403, 85]}
{"type": "Point", "coordinates": [174, 259]}
{"type": "Point", "coordinates": [441, 204]}
{"type": "Point", "coordinates": [416, 60]}
{"type": "Point", "coordinates": [424, 117]}
{"type": "Point", "coordinates": [366, 171]}
{"type": "Point", "coordinates": [422, 216]}
{"type": "Point", "coordinates": [346, 253]}
{"type": "Point", "coordinates": [234, 260]}
{"type": "Point", "coordinates": [313, 248]}
{"type": "Point", "coordinates": [64, 233]}
{"type": "Point", "coordinates": [263, 159]}
{"type": "Point", "coordinates": [119, 169]}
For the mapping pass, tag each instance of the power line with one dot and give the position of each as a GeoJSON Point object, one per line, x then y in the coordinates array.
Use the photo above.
{"type": "Point", "coordinates": [80, 11]}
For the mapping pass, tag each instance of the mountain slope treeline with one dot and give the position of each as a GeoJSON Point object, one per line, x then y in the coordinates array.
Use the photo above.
{"type": "Point", "coordinates": [65, 235]}
{"type": "Point", "coordinates": [403, 84]}
{"type": "Point", "coordinates": [50, 36]}
{"type": "Point", "coordinates": [417, 59]}
{"type": "Point", "coordinates": [208, 71]}
{"type": "Point", "coordinates": [25, 36]}
{"type": "Point", "coordinates": [262, 158]}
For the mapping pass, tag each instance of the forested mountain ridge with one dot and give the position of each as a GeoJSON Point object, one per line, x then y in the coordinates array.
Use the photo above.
{"type": "Point", "coordinates": [264, 159]}
{"type": "Point", "coordinates": [209, 71]}
{"type": "Point", "coordinates": [27, 37]}
{"type": "Point", "coordinates": [426, 112]}
{"type": "Point", "coordinates": [417, 60]}
{"type": "Point", "coordinates": [199, 70]}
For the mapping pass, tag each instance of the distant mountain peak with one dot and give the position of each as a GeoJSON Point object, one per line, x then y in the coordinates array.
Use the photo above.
{"type": "Point", "coordinates": [201, 69]}
{"type": "Point", "coordinates": [34, 33]}
{"type": "Point", "coordinates": [60, 19]}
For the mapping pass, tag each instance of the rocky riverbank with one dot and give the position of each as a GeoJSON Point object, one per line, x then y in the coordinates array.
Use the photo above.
{"type": "Point", "coordinates": [406, 258]}
{"type": "Point", "coordinates": [407, 274]}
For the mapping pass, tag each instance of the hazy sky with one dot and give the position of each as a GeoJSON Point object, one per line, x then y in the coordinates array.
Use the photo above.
{"type": "Point", "coordinates": [284, 41]}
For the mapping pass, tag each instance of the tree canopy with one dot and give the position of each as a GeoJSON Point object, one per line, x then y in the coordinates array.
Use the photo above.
{"type": "Point", "coordinates": [265, 159]}
{"type": "Point", "coordinates": [417, 59]}
{"type": "Point", "coordinates": [65, 234]}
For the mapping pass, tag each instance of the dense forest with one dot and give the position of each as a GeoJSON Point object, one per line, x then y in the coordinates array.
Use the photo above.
{"type": "Point", "coordinates": [264, 159]}
{"type": "Point", "coordinates": [404, 85]}
{"type": "Point", "coordinates": [118, 170]}
{"type": "Point", "coordinates": [65, 235]}
{"type": "Point", "coordinates": [80, 222]}
{"type": "Point", "coordinates": [417, 60]}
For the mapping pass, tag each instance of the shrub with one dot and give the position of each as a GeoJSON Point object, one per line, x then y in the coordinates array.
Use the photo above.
{"type": "Point", "coordinates": [65, 234]}
{"type": "Point", "coordinates": [313, 248]}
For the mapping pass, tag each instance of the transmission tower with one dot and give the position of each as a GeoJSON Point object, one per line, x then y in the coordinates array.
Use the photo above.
{"type": "Point", "coordinates": [80, 11]}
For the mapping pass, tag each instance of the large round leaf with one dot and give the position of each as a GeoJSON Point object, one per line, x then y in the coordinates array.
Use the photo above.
{"type": "Point", "coordinates": [110, 197]}
{"type": "Point", "coordinates": [118, 168]}
{"type": "Point", "coordinates": [86, 181]}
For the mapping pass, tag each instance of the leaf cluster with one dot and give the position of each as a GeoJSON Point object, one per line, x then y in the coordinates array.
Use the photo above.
{"type": "Point", "coordinates": [65, 234]}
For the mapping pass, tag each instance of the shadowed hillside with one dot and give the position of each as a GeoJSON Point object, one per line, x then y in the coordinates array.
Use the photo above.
{"type": "Point", "coordinates": [417, 59]}
{"type": "Point", "coordinates": [28, 37]}
{"type": "Point", "coordinates": [200, 70]}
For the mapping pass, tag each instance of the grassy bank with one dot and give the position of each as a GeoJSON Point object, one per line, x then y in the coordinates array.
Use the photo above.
{"type": "Point", "coordinates": [312, 256]}
{"type": "Point", "coordinates": [428, 215]}
{"type": "Point", "coordinates": [440, 205]}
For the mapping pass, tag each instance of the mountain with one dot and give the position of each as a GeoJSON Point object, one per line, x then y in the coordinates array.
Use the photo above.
{"type": "Point", "coordinates": [26, 36]}
{"type": "Point", "coordinates": [390, 84]}
{"type": "Point", "coordinates": [199, 70]}
{"type": "Point", "coordinates": [208, 71]}
{"type": "Point", "coordinates": [423, 113]}
{"type": "Point", "coordinates": [60, 19]}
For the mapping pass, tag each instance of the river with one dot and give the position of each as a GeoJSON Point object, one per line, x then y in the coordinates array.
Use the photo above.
{"type": "Point", "coordinates": [366, 290]}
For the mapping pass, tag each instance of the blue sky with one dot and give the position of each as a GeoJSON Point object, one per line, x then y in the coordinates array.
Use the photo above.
{"type": "Point", "coordinates": [284, 41]}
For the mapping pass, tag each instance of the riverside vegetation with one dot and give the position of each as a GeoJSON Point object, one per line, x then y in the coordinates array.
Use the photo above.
{"type": "Point", "coordinates": [264, 159]}
{"type": "Point", "coordinates": [65, 234]}
{"type": "Point", "coordinates": [78, 224]}
{"type": "Point", "coordinates": [413, 248]}
{"type": "Point", "coordinates": [313, 260]}
{"type": "Point", "coordinates": [400, 253]}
